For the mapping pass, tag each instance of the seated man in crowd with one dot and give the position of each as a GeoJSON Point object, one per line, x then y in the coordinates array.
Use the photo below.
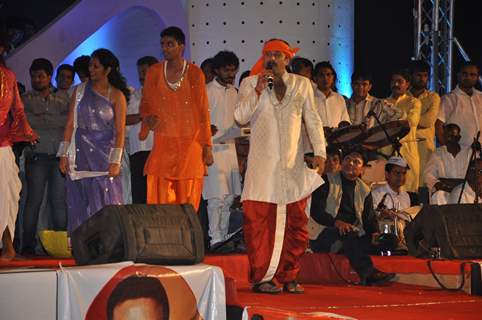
{"type": "Point", "coordinates": [448, 161]}
{"type": "Point", "coordinates": [333, 160]}
{"type": "Point", "coordinates": [472, 187]}
{"type": "Point", "coordinates": [390, 198]}
{"type": "Point", "coordinates": [342, 212]}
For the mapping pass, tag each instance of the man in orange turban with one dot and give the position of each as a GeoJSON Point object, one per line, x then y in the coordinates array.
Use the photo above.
{"type": "Point", "coordinates": [175, 106]}
{"type": "Point", "coordinates": [278, 182]}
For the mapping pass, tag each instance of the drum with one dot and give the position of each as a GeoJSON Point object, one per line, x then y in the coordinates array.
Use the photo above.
{"type": "Point", "coordinates": [346, 135]}
{"type": "Point", "coordinates": [375, 138]}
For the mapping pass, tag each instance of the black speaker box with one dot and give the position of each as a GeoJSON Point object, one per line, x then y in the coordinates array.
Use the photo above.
{"type": "Point", "coordinates": [456, 229]}
{"type": "Point", "coordinates": [154, 234]}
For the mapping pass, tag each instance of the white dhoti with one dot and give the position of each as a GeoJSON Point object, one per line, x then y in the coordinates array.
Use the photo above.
{"type": "Point", "coordinates": [10, 187]}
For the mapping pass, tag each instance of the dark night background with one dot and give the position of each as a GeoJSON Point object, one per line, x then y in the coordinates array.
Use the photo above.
{"type": "Point", "coordinates": [383, 31]}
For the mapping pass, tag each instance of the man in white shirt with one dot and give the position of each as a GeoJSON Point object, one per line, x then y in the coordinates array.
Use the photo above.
{"type": "Point", "coordinates": [463, 106]}
{"type": "Point", "coordinates": [448, 161]}
{"type": "Point", "coordinates": [330, 104]}
{"type": "Point", "coordinates": [223, 182]}
{"type": "Point", "coordinates": [277, 180]}
{"type": "Point", "coordinates": [361, 102]}
{"type": "Point", "coordinates": [390, 197]}
{"type": "Point", "coordinates": [138, 149]}
{"type": "Point", "coordinates": [472, 187]}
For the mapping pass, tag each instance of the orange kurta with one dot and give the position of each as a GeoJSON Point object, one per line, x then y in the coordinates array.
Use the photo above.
{"type": "Point", "coordinates": [184, 125]}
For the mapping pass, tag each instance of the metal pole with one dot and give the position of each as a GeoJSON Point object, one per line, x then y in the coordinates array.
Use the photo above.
{"type": "Point", "coordinates": [434, 49]}
{"type": "Point", "coordinates": [418, 27]}
{"type": "Point", "coordinates": [448, 82]}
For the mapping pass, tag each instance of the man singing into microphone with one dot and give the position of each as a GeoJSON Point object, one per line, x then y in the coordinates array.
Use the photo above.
{"type": "Point", "coordinates": [277, 181]}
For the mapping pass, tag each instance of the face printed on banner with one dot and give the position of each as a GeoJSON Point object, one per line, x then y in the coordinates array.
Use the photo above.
{"type": "Point", "coordinates": [142, 308]}
{"type": "Point", "coordinates": [144, 292]}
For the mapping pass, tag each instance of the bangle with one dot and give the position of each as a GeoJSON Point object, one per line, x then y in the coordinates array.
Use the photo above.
{"type": "Point", "coordinates": [63, 149]}
{"type": "Point", "coordinates": [115, 155]}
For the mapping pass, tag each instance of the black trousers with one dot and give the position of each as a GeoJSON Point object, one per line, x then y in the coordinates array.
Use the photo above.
{"type": "Point", "coordinates": [138, 179]}
{"type": "Point", "coordinates": [354, 247]}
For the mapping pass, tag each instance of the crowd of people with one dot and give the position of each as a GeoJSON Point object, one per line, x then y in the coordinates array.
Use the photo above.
{"type": "Point", "coordinates": [179, 139]}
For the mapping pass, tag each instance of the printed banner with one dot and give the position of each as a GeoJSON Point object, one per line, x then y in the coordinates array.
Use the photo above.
{"type": "Point", "coordinates": [138, 291]}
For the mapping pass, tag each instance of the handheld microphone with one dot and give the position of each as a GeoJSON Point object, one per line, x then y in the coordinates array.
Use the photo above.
{"type": "Point", "coordinates": [269, 78]}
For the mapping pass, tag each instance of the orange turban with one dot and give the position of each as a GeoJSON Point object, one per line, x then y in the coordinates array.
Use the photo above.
{"type": "Point", "coordinates": [273, 45]}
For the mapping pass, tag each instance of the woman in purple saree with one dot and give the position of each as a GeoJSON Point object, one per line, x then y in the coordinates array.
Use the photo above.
{"type": "Point", "coordinates": [94, 139]}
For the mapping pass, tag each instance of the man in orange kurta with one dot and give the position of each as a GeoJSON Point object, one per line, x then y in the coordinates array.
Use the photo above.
{"type": "Point", "coordinates": [175, 106]}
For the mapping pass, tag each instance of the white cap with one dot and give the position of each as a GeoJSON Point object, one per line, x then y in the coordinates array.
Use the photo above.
{"type": "Point", "coordinates": [398, 161]}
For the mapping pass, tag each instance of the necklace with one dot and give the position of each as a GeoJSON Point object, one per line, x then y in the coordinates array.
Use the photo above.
{"type": "Point", "coordinates": [175, 85]}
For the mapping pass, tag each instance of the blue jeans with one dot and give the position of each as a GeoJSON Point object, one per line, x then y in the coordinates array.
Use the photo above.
{"type": "Point", "coordinates": [41, 172]}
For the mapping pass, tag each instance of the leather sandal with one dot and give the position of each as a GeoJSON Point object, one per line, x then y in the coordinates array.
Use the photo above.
{"type": "Point", "coordinates": [268, 287]}
{"type": "Point", "coordinates": [293, 287]}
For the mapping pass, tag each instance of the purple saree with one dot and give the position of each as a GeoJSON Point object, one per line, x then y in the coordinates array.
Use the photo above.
{"type": "Point", "coordinates": [89, 189]}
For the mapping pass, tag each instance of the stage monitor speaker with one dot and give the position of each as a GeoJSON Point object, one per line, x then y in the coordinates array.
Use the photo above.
{"type": "Point", "coordinates": [456, 229]}
{"type": "Point", "coordinates": [154, 234]}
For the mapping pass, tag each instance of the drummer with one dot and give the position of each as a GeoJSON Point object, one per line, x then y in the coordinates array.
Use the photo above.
{"type": "Point", "coordinates": [390, 197]}
{"type": "Point", "coordinates": [331, 105]}
{"type": "Point", "coordinates": [411, 108]}
{"type": "Point", "coordinates": [361, 102]}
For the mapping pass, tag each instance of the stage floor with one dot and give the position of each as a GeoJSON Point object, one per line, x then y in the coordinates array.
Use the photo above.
{"type": "Point", "coordinates": [328, 297]}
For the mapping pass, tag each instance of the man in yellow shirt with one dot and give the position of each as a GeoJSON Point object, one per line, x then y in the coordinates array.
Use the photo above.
{"type": "Point", "coordinates": [411, 107]}
{"type": "Point", "coordinates": [430, 108]}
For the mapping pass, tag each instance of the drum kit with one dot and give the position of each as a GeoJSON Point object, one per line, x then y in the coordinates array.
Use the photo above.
{"type": "Point", "coordinates": [388, 134]}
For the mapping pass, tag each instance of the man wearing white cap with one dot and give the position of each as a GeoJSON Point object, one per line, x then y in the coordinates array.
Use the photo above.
{"type": "Point", "coordinates": [391, 197]}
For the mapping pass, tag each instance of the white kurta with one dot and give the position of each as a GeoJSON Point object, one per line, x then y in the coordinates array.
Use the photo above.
{"type": "Point", "coordinates": [136, 145]}
{"type": "Point", "coordinates": [393, 200]}
{"type": "Point", "coordinates": [358, 111]}
{"type": "Point", "coordinates": [465, 111]}
{"type": "Point", "coordinates": [10, 187]}
{"type": "Point", "coordinates": [223, 176]}
{"type": "Point", "coordinates": [332, 109]}
{"type": "Point", "coordinates": [467, 197]}
{"type": "Point", "coordinates": [443, 164]}
{"type": "Point", "coordinates": [276, 170]}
